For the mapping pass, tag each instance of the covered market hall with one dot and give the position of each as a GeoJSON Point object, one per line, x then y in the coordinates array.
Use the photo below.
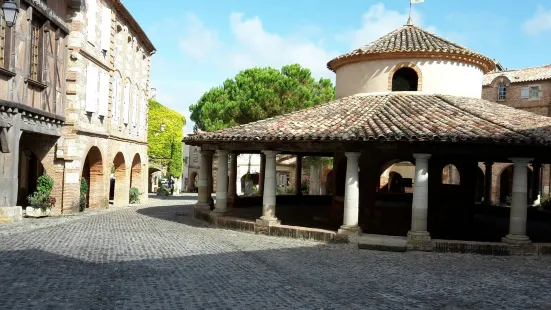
{"type": "Point", "coordinates": [409, 97]}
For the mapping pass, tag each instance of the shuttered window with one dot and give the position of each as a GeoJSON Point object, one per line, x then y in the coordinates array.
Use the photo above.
{"type": "Point", "coordinates": [116, 100]}
{"type": "Point", "coordinates": [126, 103]}
{"type": "Point", "coordinates": [106, 29]}
{"type": "Point", "coordinates": [91, 88]}
{"type": "Point", "coordinates": [92, 20]}
{"type": "Point", "coordinates": [104, 93]}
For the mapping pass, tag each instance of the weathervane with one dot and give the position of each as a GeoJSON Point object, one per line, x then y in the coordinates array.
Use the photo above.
{"type": "Point", "coordinates": [410, 22]}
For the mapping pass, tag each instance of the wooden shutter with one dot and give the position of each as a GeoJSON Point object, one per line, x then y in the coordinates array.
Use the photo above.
{"type": "Point", "coordinates": [91, 88]}
{"type": "Point", "coordinates": [525, 93]}
{"type": "Point", "coordinates": [116, 100]}
{"type": "Point", "coordinates": [106, 29]}
{"type": "Point", "coordinates": [92, 20]}
{"type": "Point", "coordinates": [125, 107]}
{"type": "Point", "coordinates": [104, 93]}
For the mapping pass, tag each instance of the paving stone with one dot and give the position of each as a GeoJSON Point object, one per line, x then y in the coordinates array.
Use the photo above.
{"type": "Point", "coordinates": [147, 257]}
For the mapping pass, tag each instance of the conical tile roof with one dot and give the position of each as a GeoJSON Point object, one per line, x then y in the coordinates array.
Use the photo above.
{"type": "Point", "coordinates": [413, 40]}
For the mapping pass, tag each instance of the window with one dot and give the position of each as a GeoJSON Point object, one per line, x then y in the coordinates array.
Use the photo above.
{"type": "Point", "coordinates": [531, 92]}
{"type": "Point", "coordinates": [5, 33]}
{"type": "Point", "coordinates": [405, 79]}
{"type": "Point", "coordinates": [501, 92]}
{"type": "Point", "coordinates": [36, 44]}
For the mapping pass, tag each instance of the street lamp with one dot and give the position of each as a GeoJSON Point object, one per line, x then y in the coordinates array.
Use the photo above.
{"type": "Point", "coordinates": [163, 127]}
{"type": "Point", "coordinates": [10, 10]}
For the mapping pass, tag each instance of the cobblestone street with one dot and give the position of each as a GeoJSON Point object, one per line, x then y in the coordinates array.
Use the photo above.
{"type": "Point", "coordinates": [149, 258]}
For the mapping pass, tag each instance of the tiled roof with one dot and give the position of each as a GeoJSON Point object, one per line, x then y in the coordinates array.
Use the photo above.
{"type": "Point", "coordinates": [410, 38]}
{"type": "Point", "coordinates": [396, 117]}
{"type": "Point", "coordinates": [521, 75]}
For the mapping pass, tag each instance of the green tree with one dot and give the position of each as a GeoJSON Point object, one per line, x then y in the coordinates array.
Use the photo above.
{"type": "Point", "coordinates": [165, 148]}
{"type": "Point", "coordinates": [258, 93]}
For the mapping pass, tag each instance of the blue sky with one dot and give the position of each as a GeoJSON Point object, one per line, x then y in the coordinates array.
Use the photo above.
{"type": "Point", "coordinates": [201, 43]}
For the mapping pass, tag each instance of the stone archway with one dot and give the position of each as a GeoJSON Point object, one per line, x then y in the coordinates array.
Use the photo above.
{"type": "Point", "coordinates": [154, 176]}
{"type": "Point", "coordinates": [136, 176]}
{"type": "Point", "coordinates": [93, 175]}
{"type": "Point", "coordinates": [119, 182]}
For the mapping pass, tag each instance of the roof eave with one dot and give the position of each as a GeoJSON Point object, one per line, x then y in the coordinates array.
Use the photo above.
{"type": "Point", "coordinates": [483, 62]}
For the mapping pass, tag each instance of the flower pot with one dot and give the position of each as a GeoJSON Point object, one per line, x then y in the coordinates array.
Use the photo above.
{"type": "Point", "coordinates": [37, 211]}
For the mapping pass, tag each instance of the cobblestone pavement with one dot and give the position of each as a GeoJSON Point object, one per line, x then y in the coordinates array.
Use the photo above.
{"type": "Point", "coordinates": [148, 258]}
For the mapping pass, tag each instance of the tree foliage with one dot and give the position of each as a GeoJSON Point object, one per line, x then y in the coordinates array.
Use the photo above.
{"type": "Point", "coordinates": [165, 148]}
{"type": "Point", "coordinates": [259, 93]}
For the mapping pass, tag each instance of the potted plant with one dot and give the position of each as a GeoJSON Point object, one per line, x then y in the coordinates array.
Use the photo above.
{"type": "Point", "coordinates": [40, 202]}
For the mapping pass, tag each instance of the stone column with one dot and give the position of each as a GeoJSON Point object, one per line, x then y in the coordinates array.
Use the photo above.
{"type": "Point", "coordinates": [351, 196]}
{"type": "Point", "coordinates": [232, 186]}
{"type": "Point", "coordinates": [488, 183]}
{"type": "Point", "coordinates": [418, 236]}
{"type": "Point", "coordinates": [222, 182]}
{"type": "Point", "coordinates": [268, 217]}
{"type": "Point", "coordinates": [519, 205]}
{"type": "Point", "coordinates": [210, 181]}
{"type": "Point", "coordinates": [261, 175]}
{"type": "Point", "coordinates": [202, 179]}
{"type": "Point", "coordinates": [298, 176]}
{"type": "Point", "coordinates": [535, 182]}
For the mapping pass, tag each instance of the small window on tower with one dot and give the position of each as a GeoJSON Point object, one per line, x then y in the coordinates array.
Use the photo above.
{"type": "Point", "coordinates": [405, 79]}
{"type": "Point", "coordinates": [501, 92]}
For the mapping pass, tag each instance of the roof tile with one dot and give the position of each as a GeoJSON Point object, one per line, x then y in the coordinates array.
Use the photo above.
{"type": "Point", "coordinates": [396, 117]}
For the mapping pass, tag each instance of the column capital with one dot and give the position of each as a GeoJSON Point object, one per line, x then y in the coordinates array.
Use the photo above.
{"type": "Point", "coordinates": [222, 152]}
{"type": "Point", "coordinates": [270, 153]}
{"type": "Point", "coordinates": [488, 163]}
{"type": "Point", "coordinates": [521, 161]}
{"type": "Point", "coordinates": [207, 152]}
{"type": "Point", "coordinates": [421, 156]}
{"type": "Point", "coordinates": [352, 154]}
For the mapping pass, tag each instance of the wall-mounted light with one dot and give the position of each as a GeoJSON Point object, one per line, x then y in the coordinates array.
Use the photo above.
{"type": "Point", "coordinates": [10, 10]}
{"type": "Point", "coordinates": [163, 127]}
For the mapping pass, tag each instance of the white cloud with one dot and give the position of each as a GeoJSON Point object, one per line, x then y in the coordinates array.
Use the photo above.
{"type": "Point", "coordinates": [540, 22]}
{"type": "Point", "coordinates": [199, 42]}
{"type": "Point", "coordinates": [251, 44]}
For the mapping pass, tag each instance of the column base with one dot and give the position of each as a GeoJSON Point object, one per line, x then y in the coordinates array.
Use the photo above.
{"type": "Point", "coordinates": [218, 211]}
{"type": "Point", "coordinates": [268, 221]}
{"type": "Point", "coordinates": [419, 241]}
{"type": "Point", "coordinates": [350, 230]}
{"type": "Point", "coordinates": [202, 204]}
{"type": "Point", "coordinates": [516, 239]}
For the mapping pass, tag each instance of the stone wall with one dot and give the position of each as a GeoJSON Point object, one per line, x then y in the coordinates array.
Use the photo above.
{"type": "Point", "coordinates": [107, 92]}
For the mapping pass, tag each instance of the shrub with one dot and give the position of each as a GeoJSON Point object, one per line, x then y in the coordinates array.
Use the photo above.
{"type": "Point", "coordinates": [83, 202]}
{"type": "Point", "coordinates": [134, 196]}
{"type": "Point", "coordinates": [41, 198]}
{"type": "Point", "coordinates": [45, 184]}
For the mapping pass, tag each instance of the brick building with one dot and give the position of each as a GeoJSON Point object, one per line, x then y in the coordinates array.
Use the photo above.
{"type": "Point", "coordinates": [527, 89]}
{"type": "Point", "coordinates": [73, 87]}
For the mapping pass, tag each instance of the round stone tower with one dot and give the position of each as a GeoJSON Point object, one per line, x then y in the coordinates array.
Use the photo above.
{"type": "Point", "coordinates": [411, 59]}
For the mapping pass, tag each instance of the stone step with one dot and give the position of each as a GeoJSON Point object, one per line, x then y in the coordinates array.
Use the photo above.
{"type": "Point", "coordinates": [382, 243]}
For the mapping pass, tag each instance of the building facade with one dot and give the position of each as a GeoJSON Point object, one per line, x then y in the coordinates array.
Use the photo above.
{"type": "Point", "coordinates": [105, 136]}
{"type": "Point", "coordinates": [33, 61]}
{"type": "Point", "coordinates": [73, 87]}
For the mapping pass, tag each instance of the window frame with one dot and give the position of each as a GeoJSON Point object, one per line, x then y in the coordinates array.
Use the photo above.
{"type": "Point", "coordinates": [40, 23]}
{"type": "Point", "coordinates": [5, 45]}
{"type": "Point", "coordinates": [530, 93]}
{"type": "Point", "coordinates": [501, 92]}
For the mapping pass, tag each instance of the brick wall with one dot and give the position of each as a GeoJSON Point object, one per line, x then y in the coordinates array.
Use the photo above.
{"type": "Point", "coordinates": [541, 106]}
